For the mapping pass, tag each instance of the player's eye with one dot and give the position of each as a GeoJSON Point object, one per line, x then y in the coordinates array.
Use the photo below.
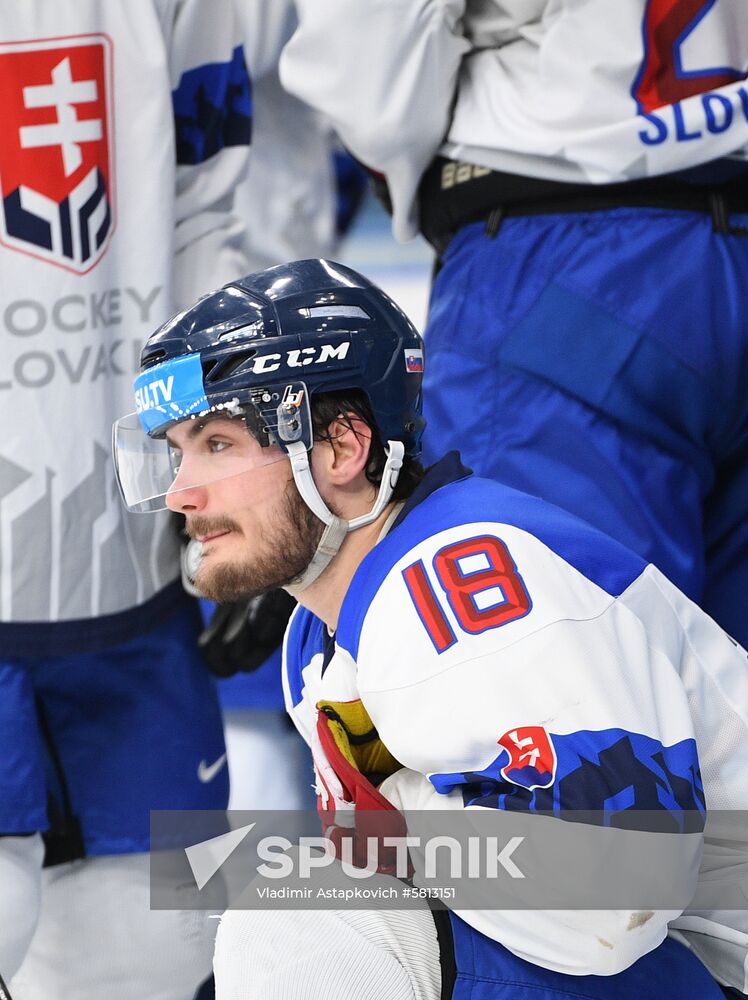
{"type": "Point", "coordinates": [175, 457]}
{"type": "Point", "coordinates": [217, 444]}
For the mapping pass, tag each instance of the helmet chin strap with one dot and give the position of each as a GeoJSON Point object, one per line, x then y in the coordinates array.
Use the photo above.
{"type": "Point", "coordinates": [336, 528]}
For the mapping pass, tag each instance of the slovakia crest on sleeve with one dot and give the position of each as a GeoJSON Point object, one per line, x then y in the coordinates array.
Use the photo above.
{"type": "Point", "coordinates": [532, 757]}
{"type": "Point", "coordinates": [57, 156]}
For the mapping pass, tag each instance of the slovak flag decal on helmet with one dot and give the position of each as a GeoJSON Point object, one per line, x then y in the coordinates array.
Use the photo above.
{"type": "Point", "coordinates": [56, 157]}
{"type": "Point", "coordinates": [532, 757]}
{"type": "Point", "coordinates": [414, 359]}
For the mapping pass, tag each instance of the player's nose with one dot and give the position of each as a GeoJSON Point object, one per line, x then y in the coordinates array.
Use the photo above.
{"type": "Point", "coordinates": [182, 497]}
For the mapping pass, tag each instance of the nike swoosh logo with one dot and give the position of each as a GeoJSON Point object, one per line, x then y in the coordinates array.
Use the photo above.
{"type": "Point", "coordinates": [207, 772]}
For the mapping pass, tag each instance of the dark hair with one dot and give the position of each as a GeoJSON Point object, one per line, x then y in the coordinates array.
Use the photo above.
{"type": "Point", "coordinates": [342, 405]}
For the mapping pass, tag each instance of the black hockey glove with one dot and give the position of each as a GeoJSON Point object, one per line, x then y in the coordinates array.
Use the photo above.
{"type": "Point", "coordinates": [242, 635]}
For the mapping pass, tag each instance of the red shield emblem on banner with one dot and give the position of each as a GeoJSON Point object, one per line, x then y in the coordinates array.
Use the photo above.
{"type": "Point", "coordinates": [56, 157]}
{"type": "Point", "coordinates": [532, 757]}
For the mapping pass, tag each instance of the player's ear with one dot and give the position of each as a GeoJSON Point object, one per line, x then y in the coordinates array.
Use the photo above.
{"type": "Point", "coordinates": [349, 439]}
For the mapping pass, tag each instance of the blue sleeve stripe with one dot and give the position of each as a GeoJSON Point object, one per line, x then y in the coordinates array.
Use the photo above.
{"type": "Point", "coordinates": [610, 771]}
{"type": "Point", "coordinates": [213, 109]}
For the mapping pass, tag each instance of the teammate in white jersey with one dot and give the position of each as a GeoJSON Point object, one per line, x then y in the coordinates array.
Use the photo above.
{"type": "Point", "coordinates": [452, 620]}
{"type": "Point", "coordinates": [581, 169]}
{"type": "Point", "coordinates": [125, 127]}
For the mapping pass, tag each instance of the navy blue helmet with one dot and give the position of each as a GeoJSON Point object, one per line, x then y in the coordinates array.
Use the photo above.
{"type": "Point", "coordinates": [310, 323]}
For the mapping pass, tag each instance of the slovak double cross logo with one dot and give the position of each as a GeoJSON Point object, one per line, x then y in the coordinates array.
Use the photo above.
{"type": "Point", "coordinates": [532, 757]}
{"type": "Point", "coordinates": [57, 156]}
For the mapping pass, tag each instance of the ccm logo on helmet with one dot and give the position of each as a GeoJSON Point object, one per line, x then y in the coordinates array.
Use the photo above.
{"type": "Point", "coordinates": [299, 357]}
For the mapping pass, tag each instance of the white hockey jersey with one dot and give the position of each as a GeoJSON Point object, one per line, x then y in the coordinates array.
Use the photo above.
{"type": "Point", "coordinates": [511, 657]}
{"type": "Point", "coordinates": [288, 197]}
{"type": "Point", "coordinates": [126, 126]}
{"type": "Point", "coordinates": [568, 90]}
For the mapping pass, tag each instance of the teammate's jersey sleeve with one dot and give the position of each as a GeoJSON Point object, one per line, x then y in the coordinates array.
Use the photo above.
{"type": "Point", "coordinates": [212, 99]}
{"type": "Point", "coordinates": [394, 116]}
{"type": "Point", "coordinates": [288, 196]}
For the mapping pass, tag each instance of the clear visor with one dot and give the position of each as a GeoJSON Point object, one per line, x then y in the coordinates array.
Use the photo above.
{"type": "Point", "coordinates": [192, 454]}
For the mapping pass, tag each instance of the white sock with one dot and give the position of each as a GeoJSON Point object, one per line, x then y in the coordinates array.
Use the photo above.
{"type": "Point", "coordinates": [20, 891]}
{"type": "Point", "coordinates": [97, 937]}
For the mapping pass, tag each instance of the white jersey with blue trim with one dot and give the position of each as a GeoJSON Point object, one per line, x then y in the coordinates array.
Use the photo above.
{"type": "Point", "coordinates": [126, 126]}
{"type": "Point", "coordinates": [512, 657]}
{"type": "Point", "coordinates": [568, 90]}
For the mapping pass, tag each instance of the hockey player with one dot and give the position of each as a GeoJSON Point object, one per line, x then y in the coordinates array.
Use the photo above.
{"type": "Point", "coordinates": [439, 614]}
{"type": "Point", "coordinates": [125, 127]}
{"type": "Point", "coordinates": [288, 201]}
{"type": "Point", "coordinates": [581, 169]}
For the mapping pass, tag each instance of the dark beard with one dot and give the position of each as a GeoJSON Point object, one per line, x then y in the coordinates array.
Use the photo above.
{"type": "Point", "coordinates": [291, 547]}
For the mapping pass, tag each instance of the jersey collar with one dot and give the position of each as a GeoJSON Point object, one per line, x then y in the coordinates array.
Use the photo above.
{"type": "Point", "coordinates": [447, 470]}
